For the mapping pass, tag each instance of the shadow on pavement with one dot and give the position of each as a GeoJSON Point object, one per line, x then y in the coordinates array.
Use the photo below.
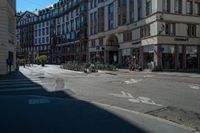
{"type": "Point", "coordinates": [40, 111]}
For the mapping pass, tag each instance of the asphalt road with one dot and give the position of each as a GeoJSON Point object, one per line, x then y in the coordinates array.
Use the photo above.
{"type": "Point", "coordinates": [170, 96]}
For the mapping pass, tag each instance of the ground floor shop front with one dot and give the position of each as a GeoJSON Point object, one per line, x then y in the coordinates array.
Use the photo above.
{"type": "Point", "coordinates": [157, 57]}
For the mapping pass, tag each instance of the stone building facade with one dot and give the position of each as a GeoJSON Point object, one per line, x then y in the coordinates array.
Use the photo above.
{"type": "Point", "coordinates": [7, 35]}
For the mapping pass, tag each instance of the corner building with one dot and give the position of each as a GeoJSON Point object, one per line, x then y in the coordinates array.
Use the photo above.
{"type": "Point", "coordinates": [159, 34]}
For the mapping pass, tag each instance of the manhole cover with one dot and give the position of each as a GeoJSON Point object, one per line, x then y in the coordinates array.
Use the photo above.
{"type": "Point", "coordinates": [180, 116]}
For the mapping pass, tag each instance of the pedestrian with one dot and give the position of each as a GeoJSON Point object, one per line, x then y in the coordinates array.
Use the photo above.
{"type": "Point", "coordinates": [17, 65]}
{"type": "Point", "coordinates": [132, 64]}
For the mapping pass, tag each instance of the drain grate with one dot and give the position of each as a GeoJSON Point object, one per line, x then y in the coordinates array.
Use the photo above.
{"type": "Point", "coordinates": [180, 116]}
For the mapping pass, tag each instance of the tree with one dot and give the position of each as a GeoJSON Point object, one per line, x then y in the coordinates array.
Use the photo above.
{"type": "Point", "coordinates": [42, 60]}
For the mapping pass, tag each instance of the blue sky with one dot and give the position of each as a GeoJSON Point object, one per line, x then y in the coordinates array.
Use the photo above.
{"type": "Point", "coordinates": [31, 5]}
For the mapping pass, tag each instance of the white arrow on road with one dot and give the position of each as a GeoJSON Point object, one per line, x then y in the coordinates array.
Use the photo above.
{"type": "Point", "coordinates": [144, 100]}
{"type": "Point", "coordinates": [130, 98]}
{"type": "Point", "coordinates": [122, 95]}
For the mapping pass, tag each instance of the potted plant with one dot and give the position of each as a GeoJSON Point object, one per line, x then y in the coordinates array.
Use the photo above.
{"type": "Point", "coordinates": [42, 60]}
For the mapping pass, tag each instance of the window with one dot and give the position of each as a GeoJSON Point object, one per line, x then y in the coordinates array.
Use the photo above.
{"type": "Point", "coordinates": [47, 39]}
{"type": "Point", "coordinates": [148, 7]}
{"type": "Point", "coordinates": [72, 25]}
{"type": "Point", "coordinates": [39, 32]}
{"type": "Point", "coordinates": [170, 29]}
{"type": "Point", "coordinates": [111, 16]}
{"type": "Point", "coordinates": [91, 23]}
{"type": "Point", "coordinates": [166, 5]}
{"type": "Point", "coordinates": [100, 41]}
{"type": "Point", "coordinates": [145, 31]}
{"type": "Point", "coordinates": [178, 6]}
{"type": "Point", "coordinates": [43, 40]}
{"type": "Point", "coordinates": [191, 30]}
{"type": "Point", "coordinates": [101, 19]}
{"type": "Point", "coordinates": [35, 33]}
{"type": "Point", "coordinates": [93, 44]}
{"type": "Point", "coordinates": [43, 31]}
{"type": "Point", "coordinates": [139, 9]}
{"type": "Point", "coordinates": [47, 23]}
{"type": "Point", "coordinates": [47, 30]}
{"type": "Point", "coordinates": [189, 7]}
{"type": "Point", "coordinates": [95, 22]}
{"type": "Point", "coordinates": [197, 6]}
{"type": "Point", "coordinates": [131, 14]}
{"type": "Point", "coordinates": [127, 36]}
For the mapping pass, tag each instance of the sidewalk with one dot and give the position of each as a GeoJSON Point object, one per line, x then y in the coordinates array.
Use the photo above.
{"type": "Point", "coordinates": [178, 74]}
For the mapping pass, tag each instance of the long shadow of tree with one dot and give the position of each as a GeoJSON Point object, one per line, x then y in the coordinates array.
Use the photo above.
{"type": "Point", "coordinates": [40, 111]}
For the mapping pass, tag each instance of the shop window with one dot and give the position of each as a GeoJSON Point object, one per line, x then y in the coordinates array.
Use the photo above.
{"type": "Point", "coordinates": [148, 54]}
{"type": "Point", "coordinates": [168, 56]}
{"type": "Point", "coordinates": [191, 57]}
{"type": "Point", "coordinates": [180, 57]}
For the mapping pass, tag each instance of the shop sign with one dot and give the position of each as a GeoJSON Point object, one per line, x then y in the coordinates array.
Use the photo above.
{"type": "Point", "coordinates": [181, 39]}
{"type": "Point", "coordinates": [138, 42]}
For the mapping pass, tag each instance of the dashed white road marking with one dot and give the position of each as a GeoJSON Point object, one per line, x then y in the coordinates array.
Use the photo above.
{"type": "Point", "coordinates": [129, 96]}
{"type": "Point", "coordinates": [195, 87]}
{"type": "Point", "coordinates": [148, 76]}
{"type": "Point", "coordinates": [132, 81]}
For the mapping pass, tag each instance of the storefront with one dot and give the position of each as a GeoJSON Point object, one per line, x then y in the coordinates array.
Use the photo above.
{"type": "Point", "coordinates": [191, 57]}
{"type": "Point", "coordinates": [168, 56]}
{"type": "Point", "coordinates": [126, 54]}
{"type": "Point", "coordinates": [148, 55]}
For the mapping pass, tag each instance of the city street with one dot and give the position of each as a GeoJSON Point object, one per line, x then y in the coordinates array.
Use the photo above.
{"type": "Point", "coordinates": [157, 102]}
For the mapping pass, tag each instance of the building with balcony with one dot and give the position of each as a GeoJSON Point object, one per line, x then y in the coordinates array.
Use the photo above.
{"type": "Point", "coordinates": [7, 36]}
{"type": "Point", "coordinates": [58, 31]}
{"type": "Point", "coordinates": [159, 34]}
{"type": "Point", "coordinates": [69, 31]}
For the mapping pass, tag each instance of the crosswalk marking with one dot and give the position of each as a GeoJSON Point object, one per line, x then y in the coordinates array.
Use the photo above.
{"type": "Point", "coordinates": [21, 89]}
{"type": "Point", "coordinates": [19, 85]}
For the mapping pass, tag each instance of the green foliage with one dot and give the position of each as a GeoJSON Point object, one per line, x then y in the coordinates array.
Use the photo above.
{"type": "Point", "coordinates": [43, 59]}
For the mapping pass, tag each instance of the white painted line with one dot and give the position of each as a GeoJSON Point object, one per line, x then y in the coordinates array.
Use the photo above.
{"type": "Point", "coordinates": [148, 76]}
{"type": "Point", "coordinates": [195, 87]}
{"type": "Point", "coordinates": [144, 100]}
{"type": "Point", "coordinates": [132, 81]}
